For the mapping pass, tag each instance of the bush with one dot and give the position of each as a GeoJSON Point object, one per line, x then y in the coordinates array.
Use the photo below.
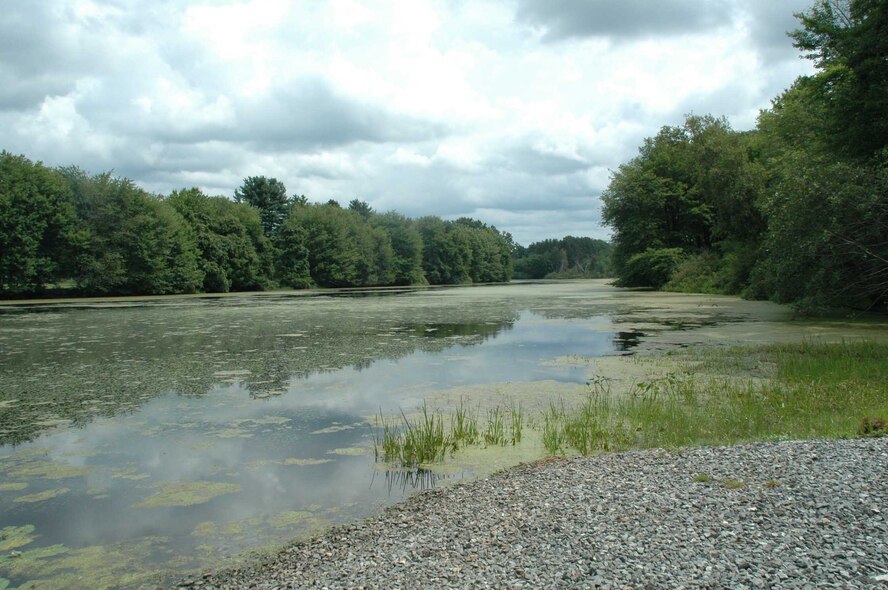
{"type": "Point", "coordinates": [651, 268]}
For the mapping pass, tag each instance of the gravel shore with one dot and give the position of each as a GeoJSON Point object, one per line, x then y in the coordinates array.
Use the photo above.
{"type": "Point", "coordinates": [783, 515]}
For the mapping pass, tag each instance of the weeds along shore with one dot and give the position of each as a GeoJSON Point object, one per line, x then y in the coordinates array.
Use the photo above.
{"type": "Point", "coordinates": [706, 396]}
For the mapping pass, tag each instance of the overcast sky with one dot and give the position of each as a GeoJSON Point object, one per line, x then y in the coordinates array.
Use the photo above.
{"type": "Point", "coordinates": [513, 112]}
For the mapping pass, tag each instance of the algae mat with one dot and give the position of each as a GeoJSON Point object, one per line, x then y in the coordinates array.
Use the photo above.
{"type": "Point", "coordinates": [143, 439]}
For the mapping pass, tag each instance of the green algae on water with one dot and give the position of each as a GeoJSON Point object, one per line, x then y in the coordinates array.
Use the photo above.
{"type": "Point", "coordinates": [41, 496]}
{"type": "Point", "coordinates": [349, 451]}
{"type": "Point", "coordinates": [15, 536]}
{"type": "Point", "coordinates": [186, 493]}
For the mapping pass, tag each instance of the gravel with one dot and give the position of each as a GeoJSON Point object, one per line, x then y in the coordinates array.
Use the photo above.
{"type": "Point", "coordinates": [785, 514]}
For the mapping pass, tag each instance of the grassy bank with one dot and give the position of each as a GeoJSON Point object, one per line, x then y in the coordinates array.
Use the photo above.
{"type": "Point", "coordinates": [704, 397]}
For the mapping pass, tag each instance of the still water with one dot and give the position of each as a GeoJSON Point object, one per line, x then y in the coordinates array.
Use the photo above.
{"type": "Point", "coordinates": [140, 440]}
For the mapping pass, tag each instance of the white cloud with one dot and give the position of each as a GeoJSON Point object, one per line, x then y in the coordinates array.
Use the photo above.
{"type": "Point", "coordinates": [512, 112]}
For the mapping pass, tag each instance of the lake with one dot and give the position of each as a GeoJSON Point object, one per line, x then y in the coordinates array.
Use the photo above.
{"type": "Point", "coordinates": [141, 439]}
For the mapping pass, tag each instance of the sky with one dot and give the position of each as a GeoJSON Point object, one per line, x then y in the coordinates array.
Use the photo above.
{"type": "Point", "coordinates": [515, 112]}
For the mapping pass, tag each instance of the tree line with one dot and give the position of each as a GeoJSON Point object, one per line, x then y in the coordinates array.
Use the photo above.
{"type": "Point", "coordinates": [63, 230]}
{"type": "Point", "coordinates": [795, 210]}
{"type": "Point", "coordinates": [568, 258]}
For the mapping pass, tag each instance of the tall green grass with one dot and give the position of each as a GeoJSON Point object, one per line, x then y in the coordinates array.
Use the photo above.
{"type": "Point", "coordinates": [814, 390]}
{"type": "Point", "coordinates": [818, 390]}
{"type": "Point", "coordinates": [424, 439]}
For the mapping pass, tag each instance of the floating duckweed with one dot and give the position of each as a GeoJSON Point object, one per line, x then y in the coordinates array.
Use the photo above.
{"type": "Point", "coordinates": [349, 451]}
{"type": "Point", "coordinates": [41, 496]}
{"type": "Point", "coordinates": [233, 433]}
{"type": "Point", "coordinates": [293, 461]}
{"type": "Point", "coordinates": [204, 529]}
{"type": "Point", "coordinates": [13, 486]}
{"type": "Point", "coordinates": [48, 471]}
{"type": "Point", "coordinates": [187, 493]}
{"type": "Point", "coordinates": [288, 518]}
{"type": "Point", "coordinates": [335, 428]}
{"type": "Point", "coordinates": [15, 536]}
{"type": "Point", "coordinates": [129, 474]}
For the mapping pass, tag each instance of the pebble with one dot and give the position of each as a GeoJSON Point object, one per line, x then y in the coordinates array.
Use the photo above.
{"type": "Point", "coordinates": [635, 519]}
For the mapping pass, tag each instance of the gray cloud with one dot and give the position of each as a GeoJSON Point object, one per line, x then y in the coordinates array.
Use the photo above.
{"type": "Point", "coordinates": [310, 114]}
{"type": "Point", "coordinates": [565, 19]}
{"type": "Point", "coordinates": [530, 160]}
{"type": "Point", "coordinates": [149, 92]}
{"type": "Point", "coordinates": [769, 22]}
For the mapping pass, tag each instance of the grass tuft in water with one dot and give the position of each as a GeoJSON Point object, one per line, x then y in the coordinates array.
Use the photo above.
{"type": "Point", "coordinates": [810, 390]}
{"type": "Point", "coordinates": [516, 413]}
{"type": "Point", "coordinates": [495, 433]}
{"type": "Point", "coordinates": [411, 444]}
{"type": "Point", "coordinates": [464, 426]}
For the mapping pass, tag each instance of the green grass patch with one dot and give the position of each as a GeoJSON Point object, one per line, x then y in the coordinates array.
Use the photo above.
{"type": "Point", "coordinates": [720, 396]}
{"type": "Point", "coordinates": [818, 390]}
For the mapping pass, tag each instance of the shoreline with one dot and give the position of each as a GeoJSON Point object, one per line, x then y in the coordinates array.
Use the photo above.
{"type": "Point", "coordinates": [789, 513]}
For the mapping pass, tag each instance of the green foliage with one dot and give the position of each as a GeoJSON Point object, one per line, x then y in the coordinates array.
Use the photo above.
{"type": "Point", "coordinates": [820, 390]}
{"type": "Point", "coordinates": [464, 251]}
{"type": "Point", "coordinates": [690, 188]}
{"type": "Point", "coordinates": [828, 235]}
{"type": "Point", "coordinates": [293, 269]}
{"type": "Point", "coordinates": [106, 236]}
{"type": "Point", "coordinates": [344, 248]}
{"type": "Point", "coordinates": [229, 237]}
{"type": "Point", "coordinates": [569, 257]}
{"type": "Point", "coordinates": [37, 232]}
{"type": "Point", "coordinates": [362, 208]}
{"type": "Point", "coordinates": [797, 210]}
{"type": "Point", "coordinates": [406, 244]}
{"type": "Point", "coordinates": [130, 242]}
{"type": "Point", "coordinates": [269, 196]}
{"type": "Point", "coordinates": [848, 41]}
{"type": "Point", "coordinates": [651, 268]}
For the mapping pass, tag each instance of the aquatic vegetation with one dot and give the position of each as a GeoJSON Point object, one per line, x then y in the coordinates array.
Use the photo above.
{"type": "Point", "coordinates": [516, 413]}
{"type": "Point", "coordinates": [495, 433]}
{"type": "Point", "coordinates": [12, 536]}
{"type": "Point", "coordinates": [47, 470]}
{"type": "Point", "coordinates": [345, 451]}
{"type": "Point", "coordinates": [173, 388]}
{"type": "Point", "coordinates": [817, 390]}
{"type": "Point", "coordinates": [186, 493]}
{"type": "Point", "coordinates": [289, 518]}
{"type": "Point", "coordinates": [128, 473]}
{"type": "Point", "coordinates": [57, 567]}
{"type": "Point", "coordinates": [413, 443]}
{"type": "Point", "coordinates": [464, 426]}
{"type": "Point", "coordinates": [553, 438]}
{"type": "Point", "coordinates": [303, 462]}
{"type": "Point", "coordinates": [41, 496]}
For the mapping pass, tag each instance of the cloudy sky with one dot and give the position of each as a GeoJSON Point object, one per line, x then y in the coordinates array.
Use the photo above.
{"type": "Point", "coordinates": [510, 111]}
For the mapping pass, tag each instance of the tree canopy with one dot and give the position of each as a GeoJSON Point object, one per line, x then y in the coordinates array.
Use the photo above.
{"type": "Point", "coordinates": [74, 232]}
{"type": "Point", "coordinates": [795, 210]}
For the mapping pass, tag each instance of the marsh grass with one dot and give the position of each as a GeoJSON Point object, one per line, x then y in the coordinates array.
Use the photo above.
{"type": "Point", "coordinates": [424, 439]}
{"type": "Point", "coordinates": [412, 443]}
{"type": "Point", "coordinates": [495, 433]}
{"type": "Point", "coordinates": [815, 390]}
{"type": "Point", "coordinates": [516, 414]}
{"type": "Point", "coordinates": [464, 426]}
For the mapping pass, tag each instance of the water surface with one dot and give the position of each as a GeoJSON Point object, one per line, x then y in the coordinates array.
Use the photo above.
{"type": "Point", "coordinates": [141, 439]}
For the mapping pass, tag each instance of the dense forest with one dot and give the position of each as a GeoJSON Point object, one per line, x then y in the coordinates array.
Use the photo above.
{"type": "Point", "coordinates": [795, 210]}
{"type": "Point", "coordinates": [568, 258]}
{"type": "Point", "coordinates": [67, 231]}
